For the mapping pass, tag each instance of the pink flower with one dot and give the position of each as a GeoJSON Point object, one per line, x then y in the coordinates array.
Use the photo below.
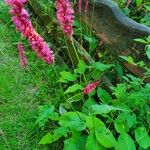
{"type": "Point", "coordinates": [65, 16]}
{"type": "Point", "coordinates": [90, 87]}
{"type": "Point", "coordinates": [22, 55]}
{"type": "Point", "coordinates": [23, 24]}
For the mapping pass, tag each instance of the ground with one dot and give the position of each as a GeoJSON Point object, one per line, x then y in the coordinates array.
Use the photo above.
{"type": "Point", "coordinates": [18, 98]}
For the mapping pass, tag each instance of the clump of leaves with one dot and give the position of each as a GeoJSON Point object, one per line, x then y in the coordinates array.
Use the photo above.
{"type": "Point", "coordinates": [101, 120]}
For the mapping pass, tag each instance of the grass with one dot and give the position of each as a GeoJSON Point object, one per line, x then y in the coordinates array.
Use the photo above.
{"type": "Point", "coordinates": [22, 90]}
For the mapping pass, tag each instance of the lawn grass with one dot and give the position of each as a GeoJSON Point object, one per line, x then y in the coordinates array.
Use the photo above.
{"type": "Point", "coordinates": [22, 90]}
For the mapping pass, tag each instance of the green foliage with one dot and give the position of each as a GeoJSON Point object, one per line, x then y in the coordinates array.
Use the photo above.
{"type": "Point", "coordinates": [73, 120]}
{"type": "Point", "coordinates": [125, 142]}
{"type": "Point", "coordinates": [138, 10]}
{"type": "Point", "coordinates": [122, 109]}
{"type": "Point", "coordinates": [113, 116]}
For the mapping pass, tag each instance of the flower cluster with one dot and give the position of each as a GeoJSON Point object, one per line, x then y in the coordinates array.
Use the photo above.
{"type": "Point", "coordinates": [65, 16]}
{"type": "Point", "coordinates": [22, 55]}
{"type": "Point", "coordinates": [24, 25]}
{"type": "Point", "coordinates": [90, 87]}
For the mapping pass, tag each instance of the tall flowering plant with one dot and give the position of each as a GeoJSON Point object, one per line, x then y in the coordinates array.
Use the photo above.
{"type": "Point", "coordinates": [20, 18]}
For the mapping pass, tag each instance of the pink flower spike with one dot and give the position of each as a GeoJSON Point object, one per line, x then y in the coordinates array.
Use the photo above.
{"type": "Point", "coordinates": [90, 87]}
{"type": "Point", "coordinates": [65, 15]}
{"type": "Point", "coordinates": [23, 60]}
{"type": "Point", "coordinates": [21, 19]}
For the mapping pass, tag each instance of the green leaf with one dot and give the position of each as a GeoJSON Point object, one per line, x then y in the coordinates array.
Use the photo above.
{"type": "Point", "coordinates": [46, 112]}
{"type": "Point", "coordinates": [102, 67]}
{"type": "Point", "coordinates": [125, 142]}
{"type": "Point", "coordinates": [73, 88]}
{"type": "Point", "coordinates": [94, 123]}
{"type": "Point", "coordinates": [148, 51]}
{"type": "Point", "coordinates": [125, 121]}
{"type": "Point", "coordinates": [62, 131]}
{"type": "Point", "coordinates": [68, 76]}
{"type": "Point", "coordinates": [49, 138]}
{"type": "Point", "coordinates": [104, 108]}
{"type": "Point", "coordinates": [140, 40]}
{"type": "Point", "coordinates": [73, 120]}
{"type": "Point", "coordinates": [92, 143]}
{"type": "Point", "coordinates": [129, 59]}
{"type": "Point", "coordinates": [105, 137]}
{"type": "Point", "coordinates": [81, 67]}
{"type": "Point", "coordinates": [121, 127]}
{"type": "Point", "coordinates": [70, 144]}
{"type": "Point", "coordinates": [142, 137]}
{"type": "Point", "coordinates": [103, 95]}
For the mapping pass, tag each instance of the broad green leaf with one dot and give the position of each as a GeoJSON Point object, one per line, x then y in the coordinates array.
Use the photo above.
{"type": "Point", "coordinates": [104, 108]}
{"type": "Point", "coordinates": [102, 67]}
{"type": "Point", "coordinates": [73, 120]}
{"type": "Point", "coordinates": [94, 123]}
{"type": "Point", "coordinates": [125, 142]}
{"type": "Point", "coordinates": [103, 95]}
{"type": "Point", "coordinates": [142, 137]}
{"type": "Point", "coordinates": [49, 138]}
{"type": "Point", "coordinates": [105, 137]}
{"type": "Point", "coordinates": [70, 144]}
{"type": "Point", "coordinates": [68, 76]}
{"type": "Point", "coordinates": [125, 121]}
{"type": "Point", "coordinates": [92, 143]}
{"type": "Point", "coordinates": [148, 51]}
{"type": "Point", "coordinates": [46, 112]}
{"type": "Point", "coordinates": [73, 88]}
{"type": "Point", "coordinates": [81, 67]}
{"type": "Point", "coordinates": [62, 131]}
{"type": "Point", "coordinates": [121, 127]}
